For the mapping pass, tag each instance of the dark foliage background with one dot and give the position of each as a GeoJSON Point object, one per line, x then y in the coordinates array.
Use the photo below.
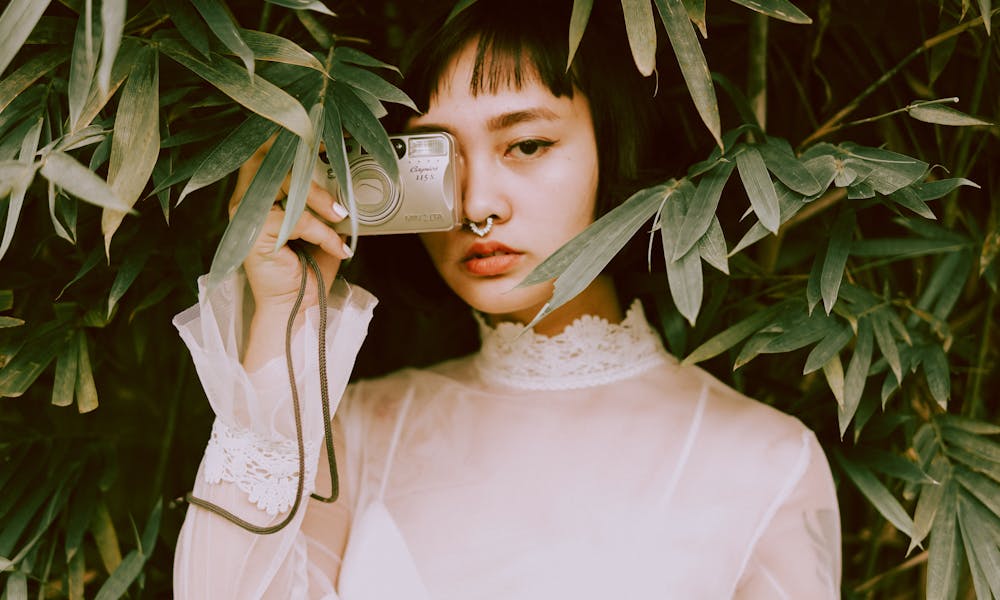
{"type": "Point", "coordinates": [103, 422]}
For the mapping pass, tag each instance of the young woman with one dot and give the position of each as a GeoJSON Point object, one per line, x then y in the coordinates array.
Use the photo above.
{"type": "Point", "coordinates": [578, 460]}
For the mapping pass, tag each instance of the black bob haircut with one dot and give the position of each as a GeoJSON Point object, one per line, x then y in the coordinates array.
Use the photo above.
{"type": "Point", "coordinates": [519, 40]}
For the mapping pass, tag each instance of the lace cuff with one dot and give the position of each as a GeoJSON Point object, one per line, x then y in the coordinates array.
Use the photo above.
{"type": "Point", "coordinates": [266, 470]}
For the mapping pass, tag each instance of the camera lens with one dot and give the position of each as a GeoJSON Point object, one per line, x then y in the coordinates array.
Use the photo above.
{"type": "Point", "coordinates": [376, 194]}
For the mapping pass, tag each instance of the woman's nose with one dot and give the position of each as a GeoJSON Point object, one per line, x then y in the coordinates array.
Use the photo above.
{"type": "Point", "coordinates": [483, 191]}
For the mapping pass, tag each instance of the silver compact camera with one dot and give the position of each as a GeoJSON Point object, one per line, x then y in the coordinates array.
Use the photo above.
{"type": "Point", "coordinates": [426, 197]}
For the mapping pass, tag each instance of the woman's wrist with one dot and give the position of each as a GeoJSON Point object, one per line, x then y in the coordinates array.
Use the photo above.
{"type": "Point", "coordinates": [268, 328]}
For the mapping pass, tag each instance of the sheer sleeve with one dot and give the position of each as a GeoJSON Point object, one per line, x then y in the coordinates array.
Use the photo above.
{"type": "Point", "coordinates": [797, 551]}
{"type": "Point", "coordinates": [250, 465]}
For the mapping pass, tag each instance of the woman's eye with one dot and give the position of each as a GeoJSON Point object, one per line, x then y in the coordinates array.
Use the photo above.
{"type": "Point", "coordinates": [528, 147]}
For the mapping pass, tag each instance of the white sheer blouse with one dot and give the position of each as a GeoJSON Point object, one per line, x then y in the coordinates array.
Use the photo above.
{"type": "Point", "coordinates": [587, 465]}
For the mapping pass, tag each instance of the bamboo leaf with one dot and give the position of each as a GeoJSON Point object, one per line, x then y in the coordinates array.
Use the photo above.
{"type": "Point", "coordinates": [932, 190]}
{"type": "Point", "coordinates": [314, 5]}
{"type": "Point", "coordinates": [712, 247]}
{"type": "Point", "coordinates": [943, 115]}
{"type": "Point", "coordinates": [227, 156]}
{"type": "Point", "coordinates": [969, 425]}
{"type": "Point", "coordinates": [836, 258]}
{"type": "Point", "coordinates": [64, 386]}
{"type": "Point", "coordinates": [86, 391]}
{"type": "Point", "coordinates": [113, 25]}
{"type": "Point", "coordinates": [222, 24]}
{"type": "Point", "coordinates": [986, 12]}
{"type": "Point", "coordinates": [16, 23]}
{"type": "Point", "coordinates": [105, 537]}
{"type": "Point", "coordinates": [976, 444]}
{"type": "Point", "coordinates": [75, 573]}
{"type": "Point", "coordinates": [28, 73]}
{"type": "Point", "coordinates": [190, 25]}
{"type": "Point", "coordinates": [975, 462]}
{"type": "Point", "coordinates": [118, 583]}
{"type": "Point", "coordinates": [802, 332]}
{"type": "Point", "coordinates": [364, 127]}
{"type": "Point", "coordinates": [760, 189]}
{"type": "Point", "coordinates": [937, 373]}
{"type": "Point", "coordinates": [979, 535]}
{"type": "Point", "coordinates": [781, 160]}
{"type": "Point", "coordinates": [63, 170]}
{"type": "Point", "coordinates": [459, 7]}
{"type": "Point", "coordinates": [371, 83]}
{"type": "Point", "coordinates": [135, 144]}
{"type": "Point", "coordinates": [303, 167]}
{"type": "Point", "coordinates": [779, 9]}
{"type": "Point", "coordinates": [641, 30]}
{"type": "Point", "coordinates": [246, 223]}
{"type": "Point", "coordinates": [883, 170]}
{"type": "Point", "coordinates": [20, 182]}
{"type": "Point", "coordinates": [274, 48]}
{"type": "Point", "coordinates": [833, 371]}
{"type": "Point", "coordinates": [692, 62]}
{"type": "Point", "coordinates": [908, 198]}
{"type": "Point", "coordinates": [789, 203]}
{"type": "Point", "coordinates": [258, 95]}
{"type": "Point", "coordinates": [945, 556]}
{"type": "Point", "coordinates": [902, 248]}
{"type": "Point", "coordinates": [736, 333]}
{"type": "Point", "coordinates": [98, 97]}
{"type": "Point", "coordinates": [876, 493]}
{"type": "Point", "coordinates": [701, 212]}
{"type": "Point", "coordinates": [580, 260]}
{"type": "Point", "coordinates": [686, 284]}
{"type": "Point", "coordinates": [130, 268]}
{"type": "Point", "coordinates": [336, 151]}
{"type": "Point", "coordinates": [577, 25]}
{"type": "Point", "coordinates": [67, 232]}
{"type": "Point", "coordinates": [348, 55]}
{"type": "Point", "coordinates": [986, 491]}
{"type": "Point", "coordinates": [887, 343]}
{"type": "Point", "coordinates": [696, 12]}
{"type": "Point", "coordinates": [931, 495]}
{"type": "Point", "coordinates": [857, 374]}
{"type": "Point", "coordinates": [83, 66]}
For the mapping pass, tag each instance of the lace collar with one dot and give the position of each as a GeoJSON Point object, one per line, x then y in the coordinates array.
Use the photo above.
{"type": "Point", "coordinates": [589, 352]}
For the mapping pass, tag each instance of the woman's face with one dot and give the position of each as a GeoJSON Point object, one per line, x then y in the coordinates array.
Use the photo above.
{"type": "Point", "coordinates": [530, 161]}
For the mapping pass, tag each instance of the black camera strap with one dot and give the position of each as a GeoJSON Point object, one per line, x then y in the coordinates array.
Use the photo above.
{"type": "Point", "coordinates": [305, 259]}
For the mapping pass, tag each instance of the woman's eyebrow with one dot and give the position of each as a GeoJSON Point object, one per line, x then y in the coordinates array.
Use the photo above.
{"type": "Point", "coordinates": [510, 119]}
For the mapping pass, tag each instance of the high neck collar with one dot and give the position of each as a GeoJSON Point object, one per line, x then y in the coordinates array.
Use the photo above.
{"type": "Point", "coordinates": [589, 352]}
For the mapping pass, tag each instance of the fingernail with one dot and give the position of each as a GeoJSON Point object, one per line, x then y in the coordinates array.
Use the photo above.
{"type": "Point", "coordinates": [348, 253]}
{"type": "Point", "coordinates": [339, 210]}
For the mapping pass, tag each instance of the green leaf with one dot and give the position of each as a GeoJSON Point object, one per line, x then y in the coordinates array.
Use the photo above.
{"type": "Point", "coordinates": [364, 127]}
{"type": "Point", "coordinates": [314, 5]}
{"type": "Point", "coordinates": [190, 25]}
{"type": "Point", "coordinates": [857, 374]}
{"type": "Point", "coordinates": [886, 342]}
{"type": "Point", "coordinates": [975, 462]}
{"type": "Point", "coordinates": [943, 115]}
{"type": "Point", "coordinates": [274, 48]}
{"type": "Point", "coordinates": [27, 74]}
{"type": "Point", "coordinates": [802, 332]}
{"type": "Point", "coordinates": [778, 9]}
{"type": "Point", "coordinates": [113, 25]}
{"type": "Point", "coordinates": [945, 556]}
{"type": "Point", "coordinates": [63, 170]}
{"type": "Point", "coordinates": [907, 198]}
{"type": "Point", "coordinates": [303, 167]}
{"type": "Point", "coordinates": [580, 260]}
{"type": "Point", "coordinates": [885, 171]}
{"type": "Point", "coordinates": [64, 386]}
{"type": "Point", "coordinates": [937, 373]}
{"type": "Point", "coordinates": [98, 97]}
{"type": "Point", "coordinates": [641, 30]}
{"type": "Point", "coordinates": [459, 7]}
{"type": "Point", "coordinates": [986, 12]}
{"type": "Point", "coordinates": [932, 190]}
{"type": "Point", "coordinates": [833, 371]}
{"type": "Point", "coordinates": [976, 444]}
{"type": "Point", "coordinates": [684, 274]}
{"type": "Point", "coordinates": [879, 496]}
{"type": "Point", "coordinates": [736, 333]}
{"type": "Point", "coordinates": [903, 248]}
{"type": "Point", "coordinates": [227, 156]}
{"type": "Point", "coordinates": [985, 490]}
{"type": "Point", "coordinates": [6, 299]}
{"type": "Point", "coordinates": [17, 586]}
{"type": "Point", "coordinates": [789, 203]}
{"type": "Point", "coordinates": [577, 25]}
{"type": "Point", "coordinates": [759, 187]}
{"type": "Point", "coordinates": [371, 83]}
{"type": "Point", "coordinates": [16, 23]}
{"type": "Point", "coordinates": [105, 537]}
{"type": "Point", "coordinates": [979, 535]}
{"type": "Point", "coordinates": [20, 182]}
{"type": "Point", "coordinates": [118, 583]}
{"type": "Point", "coordinates": [336, 151]}
{"type": "Point", "coordinates": [130, 268]}
{"type": "Point", "coordinates": [43, 344]}
{"type": "Point", "coordinates": [781, 160]}
{"type": "Point", "coordinates": [346, 54]}
{"type": "Point", "coordinates": [701, 211]}
{"type": "Point", "coordinates": [249, 217]}
{"type": "Point", "coordinates": [692, 62]}
{"type": "Point", "coordinates": [931, 495]}
{"type": "Point", "coordinates": [969, 425]}
{"type": "Point", "coordinates": [696, 12]}
{"type": "Point", "coordinates": [86, 391]}
{"type": "Point", "coordinates": [258, 95]}
{"type": "Point", "coordinates": [83, 65]}
{"type": "Point", "coordinates": [135, 144]}
{"type": "Point", "coordinates": [222, 24]}
{"type": "Point", "coordinates": [835, 261]}
{"type": "Point", "coordinates": [830, 346]}
{"type": "Point", "coordinates": [893, 465]}
{"type": "Point", "coordinates": [712, 247]}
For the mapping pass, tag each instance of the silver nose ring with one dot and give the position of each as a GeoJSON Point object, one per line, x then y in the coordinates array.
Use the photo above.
{"type": "Point", "coordinates": [480, 230]}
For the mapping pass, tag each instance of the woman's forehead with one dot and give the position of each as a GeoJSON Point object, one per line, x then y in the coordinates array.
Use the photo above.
{"type": "Point", "coordinates": [487, 70]}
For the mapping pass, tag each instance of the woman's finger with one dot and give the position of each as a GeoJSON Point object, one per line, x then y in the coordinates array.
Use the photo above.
{"type": "Point", "coordinates": [309, 229]}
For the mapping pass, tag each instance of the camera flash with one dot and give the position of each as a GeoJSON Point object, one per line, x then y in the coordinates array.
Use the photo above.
{"type": "Point", "coordinates": [428, 146]}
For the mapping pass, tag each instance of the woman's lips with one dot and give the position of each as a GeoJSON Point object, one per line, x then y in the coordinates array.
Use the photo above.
{"type": "Point", "coordinates": [490, 259]}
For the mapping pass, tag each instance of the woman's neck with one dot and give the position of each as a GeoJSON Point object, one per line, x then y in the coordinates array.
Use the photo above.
{"type": "Point", "coordinates": [598, 299]}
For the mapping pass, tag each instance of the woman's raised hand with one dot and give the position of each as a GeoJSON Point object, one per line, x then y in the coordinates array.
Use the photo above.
{"type": "Point", "coordinates": [275, 276]}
